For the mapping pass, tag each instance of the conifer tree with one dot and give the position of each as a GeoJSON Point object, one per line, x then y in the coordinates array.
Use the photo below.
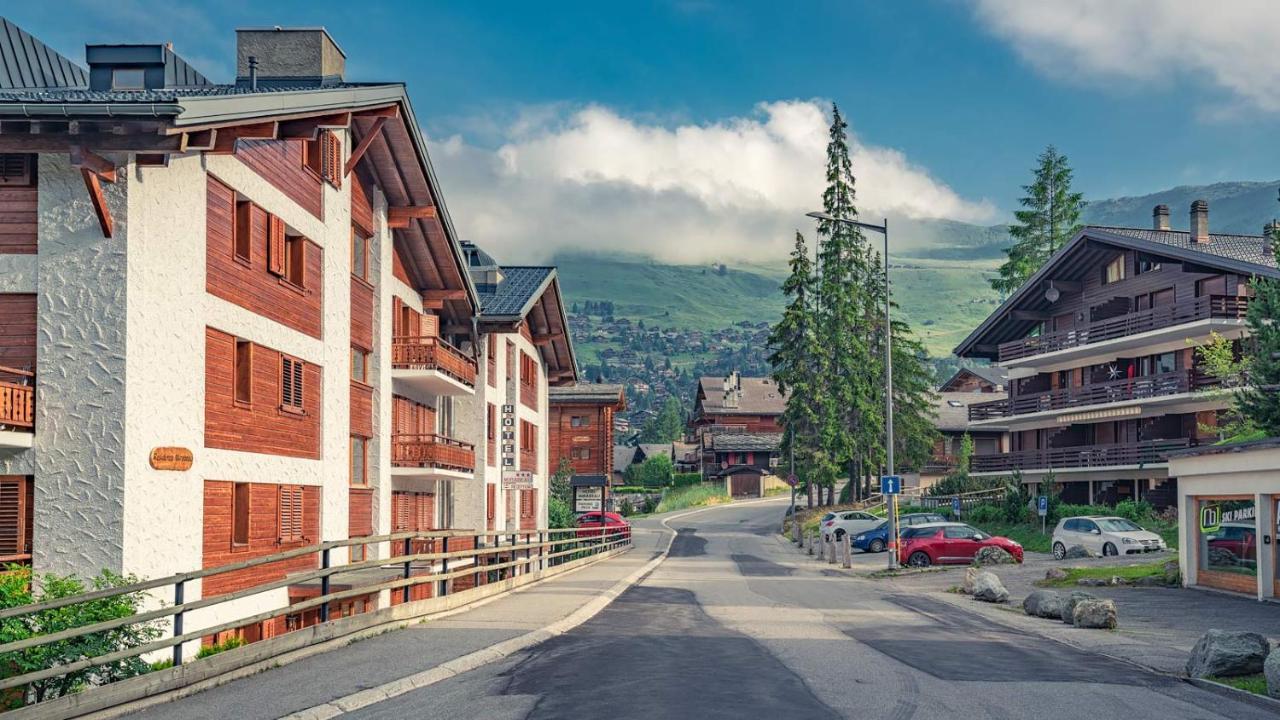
{"type": "Point", "coordinates": [1051, 215]}
{"type": "Point", "coordinates": [1260, 401]}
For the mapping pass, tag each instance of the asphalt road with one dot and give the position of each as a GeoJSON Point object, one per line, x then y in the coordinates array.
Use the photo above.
{"type": "Point", "coordinates": [736, 624]}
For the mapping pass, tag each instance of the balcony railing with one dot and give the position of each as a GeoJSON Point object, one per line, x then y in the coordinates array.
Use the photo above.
{"type": "Point", "coordinates": [17, 399]}
{"type": "Point", "coordinates": [432, 451]}
{"type": "Point", "coordinates": [1138, 388]}
{"type": "Point", "coordinates": [1082, 456]}
{"type": "Point", "coordinates": [432, 353]}
{"type": "Point", "coordinates": [1226, 307]}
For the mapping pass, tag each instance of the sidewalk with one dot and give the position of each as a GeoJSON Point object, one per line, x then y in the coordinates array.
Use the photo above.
{"type": "Point", "coordinates": [394, 655]}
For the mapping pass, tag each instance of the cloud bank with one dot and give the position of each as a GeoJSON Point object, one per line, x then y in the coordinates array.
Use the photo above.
{"type": "Point", "coordinates": [590, 179]}
{"type": "Point", "coordinates": [1230, 45]}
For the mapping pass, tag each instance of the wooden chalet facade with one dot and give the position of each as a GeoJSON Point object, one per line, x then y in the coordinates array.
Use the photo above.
{"type": "Point", "coordinates": [1099, 346]}
{"type": "Point", "coordinates": [735, 423]}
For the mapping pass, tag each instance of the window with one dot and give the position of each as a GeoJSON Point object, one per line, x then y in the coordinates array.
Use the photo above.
{"type": "Point", "coordinates": [1146, 263]}
{"type": "Point", "coordinates": [243, 372]}
{"type": "Point", "coordinates": [579, 421]}
{"type": "Point", "coordinates": [291, 384]}
{"type": "Point", "coordinates": [240, 513]}
{"type": "Point", "coordinates": [359, 255]}
{"type": "Point", "coordinates": [295, 260]}
{"type": "Point", "coordinates": [290, 513]}
{"type": "Point", "coordinates": [492, 359]}
{"type": "Point", "coordinates": [242, 233]}
{"type": "Point", "coordinates": [359, 365]}
{"type": "Point", "coordinates": [958, 532]}
{"type": "Point", "coordinates": [580, 453]}
{"type": "Point", "coordinates": [16, 169]}
{"type": "Point", "coordinates": [359, 460]}
{"type": "Point", "coordinates": [1114, 271]}
{"type": "Point", "coordinates": [128, 79]}
{"type": "Point", "coordinates": [1211, 286]}
{"type": "Point", "coordinates": [528, 370]}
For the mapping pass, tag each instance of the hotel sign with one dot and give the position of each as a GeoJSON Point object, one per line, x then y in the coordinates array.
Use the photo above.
{"type": "Point", "coordinates": [171, 458]}
{"type": "Point", "coordinates": [519, 480]}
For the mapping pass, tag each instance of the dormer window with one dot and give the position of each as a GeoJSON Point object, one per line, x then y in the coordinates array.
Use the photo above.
{"type": "Point", "coordinates": [128, 79]}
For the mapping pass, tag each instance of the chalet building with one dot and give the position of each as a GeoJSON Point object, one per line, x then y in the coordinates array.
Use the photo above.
{"type": "Point", "coordinates": [1099, 346]}
{"type": "Point", "coordinates": [951, 419]}
{"type": "Point", "coordinates": [737, 405]}
{"type": "Point", "coordinates": [237, 320]}
{"type": "Point", "coordinates": [976, 380]}
{"type": "Point", "coordinates": [581, 427]}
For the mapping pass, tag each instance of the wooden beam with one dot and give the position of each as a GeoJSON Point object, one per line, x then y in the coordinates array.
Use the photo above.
{"type": "Point", "coordinates": [548, 338]}
{"type": "Point", "coordinates": [199, 140]}
{"type": "Point", "coordinates": [309, 128]}
{"type": "Point", "coordinates": [399, 217]}
{"type": "Point", "coordinates": [390, 112]}
{"type": "Point", "coordinates": [63, 142]}
{"type": "Point", "coordinates": [86, 159]}
{"type": "Point", "coordinates": [225, 141]}
{"type": "Point", "coordinates": [365, 142]}
{"type": "Point", "coordinates": [444, 295]}
{"type": "Point", "coordinates": [1029, 315]}
{"type": "Point", "coordinates": [432, 304]}
{"type": "Point", "coordinates": [456, 330]}
{"type": "Point", "coordinates": [152, 160]}
{"type": "Point", "coordinates": [99, 202]}
{"type": "Point", "coordinates": [1067, 285]}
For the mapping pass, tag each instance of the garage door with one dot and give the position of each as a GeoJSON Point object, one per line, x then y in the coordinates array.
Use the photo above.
{"type": "Point", "coordinates": [746, 485]}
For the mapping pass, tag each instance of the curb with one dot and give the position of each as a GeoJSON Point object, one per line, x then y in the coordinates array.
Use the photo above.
{"type": "Point", "coordinates": [1244, 696]}
{"type": "Point", "coordinates": [506, 648]}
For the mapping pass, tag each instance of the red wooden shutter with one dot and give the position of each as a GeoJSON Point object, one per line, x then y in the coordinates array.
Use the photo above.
{"type": "Point", "coordinates": [401, 511]}
{"type": "Point", "coordinates": [12, 512]}
{"type": "Point", "coordinates": [331, 146]}
{"type": "Point", "coordinates": [290, 513]}
{"type": "Point", "coordinates": [291, 383]}
{"type": "Point", "coordinates": [491, 505]}
{"type": "Point", "coordinates": [275, 245]}
{"type": "Point", "coordinates": [426, 519]}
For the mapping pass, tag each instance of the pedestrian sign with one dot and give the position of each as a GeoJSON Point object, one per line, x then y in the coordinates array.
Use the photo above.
{"type": "Point", "coordinates": [955, 506]}
{"type": "Point", "coordinates": [890, 484]}
{"type": "Point", "coordinates": [1042, 505]}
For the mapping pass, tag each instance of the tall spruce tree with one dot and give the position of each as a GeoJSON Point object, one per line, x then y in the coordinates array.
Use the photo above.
{"type": "Point", "coordinates": [1260, 401]}
{"type": "Point", "coordinates": [1051, 215]}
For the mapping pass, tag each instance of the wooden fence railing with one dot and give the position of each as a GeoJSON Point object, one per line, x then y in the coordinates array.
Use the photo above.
{"type": "Point", "coordinates": [17, 398]}
{"type": "Point", "coordinates": [432, 353]}
{"type": "Point", "coordinates": [430, 450]}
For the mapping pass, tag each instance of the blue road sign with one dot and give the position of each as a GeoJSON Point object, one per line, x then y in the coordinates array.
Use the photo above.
{"type": "Point", "coordinates": [1042, 505]}
{"type": "Point", "coordinates": [955, 505]}
{"type": "Point", "coordinates": [890, 484]}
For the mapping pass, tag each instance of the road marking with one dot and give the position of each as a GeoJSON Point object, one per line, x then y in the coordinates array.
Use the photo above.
{"type": "Point", "coordinates": [493, 653]}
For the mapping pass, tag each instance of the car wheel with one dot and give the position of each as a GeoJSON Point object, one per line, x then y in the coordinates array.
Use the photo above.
{"type": "Point", "coordinates": [919, 560]}
{"type": "Point", "coordinates": [877, 546]}
{"type": "Point", "coordinates": [1059, 551]}
{"type": "Point", "coordinates": [1109, 549]}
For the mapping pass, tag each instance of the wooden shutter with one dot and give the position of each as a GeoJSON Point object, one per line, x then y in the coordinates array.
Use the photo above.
{"type": "Point", "coordinates": [290, 513]}
{"type": "Point", "coordinates": [15, 169]}
{"type": "Point", "coordinates": [275, 245]}
{"type": "Point", "coordinates": [397, 324]}
{"type": "Point", "coordinates": [426, 511]}
{"type": "Point", "coordinates": [491, 504]}
{"type": "Point", "coordinates": [244, 372]}
{"type": "Point", "coordinates": [401, 511]}
{"type": "Point", "coordinates": [291, 383]}
{"type": "Point", "coordinates": [297, 265]}
{"type": "Point", "coordinates": [331, 162]}
{"type": "Point", "coordinates": [13, 514]}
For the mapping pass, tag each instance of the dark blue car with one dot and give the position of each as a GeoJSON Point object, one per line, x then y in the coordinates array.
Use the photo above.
{"type": "Point", "coordinates": [874, 540]}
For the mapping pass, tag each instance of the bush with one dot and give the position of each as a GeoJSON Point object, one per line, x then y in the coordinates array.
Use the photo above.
{"type": "Point", "coordinates": [984, 514]}
{"type": "Point", "coordinates": [1135, 511]}
{"type": "Point", "coordinates": [230, 643]}
{"type": "Point", "coordinates": [686, 479]}
{"type": "Point", "coordinates": [627, 507]}
{"type": "Point", "coordinates": [559, 514]}
{"type": "Point", "coordinates": [649, 505]}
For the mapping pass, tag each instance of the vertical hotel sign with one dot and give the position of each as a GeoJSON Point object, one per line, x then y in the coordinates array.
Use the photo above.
{"type": "Point", "coordinates": [508, 437]}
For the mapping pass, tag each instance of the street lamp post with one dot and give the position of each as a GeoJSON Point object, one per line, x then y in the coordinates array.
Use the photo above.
{"type": "Point", "coordinates": [892, 502]}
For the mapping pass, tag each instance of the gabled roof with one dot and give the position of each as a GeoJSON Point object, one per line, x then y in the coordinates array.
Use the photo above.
{"type": "Point", "coordinates": [589, 393]}
{"type": "Point", "coordinates": [623, 456]}
{"type": "Point", "coordinates": [760, 396]}
{"type": "Point", "coordinates": [656, 449]}
{"type": "Point", "coordinates": [514, 297]}
{"type": "Point", "coordinates": [990, 374]}
{"type": "Point", "coordinates": [1243, 254]}
{"type": "Point", "coordinates": [28, 64]}
{"type": "Point", "coordinates": [745, 442]}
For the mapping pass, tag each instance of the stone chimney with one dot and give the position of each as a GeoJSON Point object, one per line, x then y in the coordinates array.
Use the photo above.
{"type": "Point", "coordinates": [1269, 229]}
{"type": "Point", "coordinates": [1200, 222]}
{"type": "Point", "coordinates": [289, 57]}
{"type": "Point", "coordinates": [1160, 217]}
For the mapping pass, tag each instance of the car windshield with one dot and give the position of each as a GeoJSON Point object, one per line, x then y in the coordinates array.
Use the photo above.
{"type": "Point", "coordinates": [828, 516]}
{"type": "Point", "coordinates": [1118, 525]}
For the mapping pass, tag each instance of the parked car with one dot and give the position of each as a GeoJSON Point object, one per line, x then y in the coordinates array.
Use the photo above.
{"type": "Point", "coordinates": [948, 543]}
{"type": "Point", "coordinates": [849, 521]}
{"type": "Point", "coordinates": [1104, 536]}
{"type": "Point", "coordinates": [875, 540]}
{"type": "Point", "coordinates": [589, 525]}
{"type": "Point", "coordinates": [911, 519]}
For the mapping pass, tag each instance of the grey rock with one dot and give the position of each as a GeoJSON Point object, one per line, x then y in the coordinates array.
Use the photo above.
{"type": "Point", "coordinates": [1055, 574]}
{"type": "Point", "coordinates": [1227, 653]}
{"type": "Point", "coordinates": [993, 556]}
{"type": "Point", "coordinates": [1271, 669]}
{"type": "Point", "coordinates": [1117, 580]}
{"type": "Point", "coordinates": [988, 588]}
{"type": "Point", "coordinates": [1172, 573]}
{"type": "Point", "coordinates": [970, 574]}
{"type": "Point", "coordinates": [1095, 614]}
{"type": "Point", "coordinates": [1092, 582]}
{"type": "Point", "coordinates": [1069, 604]}
{"type": "Point", "coordinates": [1151, 581]}
{"type": "Point", "coordinates": [1077, 551]}
{"type": "Point", "coordinates": [1043, 603]}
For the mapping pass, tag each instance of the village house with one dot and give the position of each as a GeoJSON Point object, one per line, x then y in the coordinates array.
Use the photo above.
{"type": "Point", "coordinates": [582, 432]}
{"type": "Point", "coordinates": [735, 423]}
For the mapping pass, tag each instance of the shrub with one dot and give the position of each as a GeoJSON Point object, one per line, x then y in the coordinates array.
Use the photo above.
{"type": "Point", "coordinates": [686, 479]}
{"type": "Point", "coordinates": [230, 643]}
{"type": "Point", "coordinates": [1016, 503]}
{"type": "Point", "coordinates": [627, 507]}
{"type": "Point", "coordinates": [1135, 511]}
{"type": "Point", "coordinates": [649, 505]}
{"type": "Point", "coordinates": [559, 513]}
{"type": "Point", "coordinates": [983, 514]}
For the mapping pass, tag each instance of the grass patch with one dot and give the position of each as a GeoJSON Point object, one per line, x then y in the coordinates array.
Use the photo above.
{"type": "Point", "coordinates": [1028, 535]}
{"type": "Point", "coordinates": [1256, 684]}
{"type": "Point", "coordinates": [1127, 572]}
{"type": "Point", "coordinates": [693, 496]}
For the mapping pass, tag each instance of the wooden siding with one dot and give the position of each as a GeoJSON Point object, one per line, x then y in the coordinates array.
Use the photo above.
{"type": "Point", "coordinates": [18, 225]}
{"type": "Point", "coordinates": [360, 512]}
{"type": "Point", "coordinates": [361, 313]}
{"type": "Point", "coordinates": [261, 425]}
{"type": "Point", "coordinates": [264, 535]}
{"type": "Point", "coordinates": [595, 436]}
{"type": "Point", "coordinates": [252, 286]}
{"type": "Point", "coordinates": [282, 163]}
{"type": "Point", "coordinates": [397, 268]}
{"type": "Point", "coordinates": [361, 409]}
{"type": "Point", "coordinates": [361, 210]}
{"type": "Point", "coordinates": [18, 331]}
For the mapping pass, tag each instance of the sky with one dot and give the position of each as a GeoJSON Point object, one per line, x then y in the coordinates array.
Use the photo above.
{"type": "Point", "coordinates": [694, 130]}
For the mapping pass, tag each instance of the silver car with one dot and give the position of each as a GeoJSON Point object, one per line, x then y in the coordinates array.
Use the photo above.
{"type": "Point", "coordinates": [853, 522]}
{"type": "Point", "coordinates": [1104, 536]}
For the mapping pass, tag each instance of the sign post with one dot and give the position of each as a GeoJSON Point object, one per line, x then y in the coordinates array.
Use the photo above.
{"type": "Point", "coordinates": [1042, 509]}
{"type": "Point", "coordinates": [955, 506]}
{"type": "Point", "coordinates": [890, 486]}
{"type": "Point", "coordinates": [792, 480]}
{"type": "Point", "coordinates": [588, 499]}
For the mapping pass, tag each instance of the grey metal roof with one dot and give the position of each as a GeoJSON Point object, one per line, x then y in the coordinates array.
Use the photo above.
{"type": "Point", "coordinates": [623, 456]}
{"type": "Point", "coordinates": [520, 287]}
{"type": "Point", "coordinates": [1244, 248]}
{"type": "Point", "coordinates": [1229, 448]}
{"type": "Point", "coordinates": [26, 63]}
{"type": "Point", "coordinates": [82, 95]}
{"type": "Point", "coordinates": [179, 73]}
{"type": "Point", "coordinates": [586, 393]}
{"type": "Point", "coordinates": [746, 442]}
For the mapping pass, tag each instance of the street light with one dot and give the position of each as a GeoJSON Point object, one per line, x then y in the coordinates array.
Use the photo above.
{"type": "Point", "coordinates": [892, 502]}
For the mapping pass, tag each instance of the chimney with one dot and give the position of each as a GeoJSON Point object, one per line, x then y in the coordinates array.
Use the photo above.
{"type": "Point", "coordinates": [1269, 230]}
{"type": "Point", "coordinates": [288, 57]}
{"type": "Point", "coordinates": [1160, 217]}
{"type": "Point", "coordinates": [1200, 222]}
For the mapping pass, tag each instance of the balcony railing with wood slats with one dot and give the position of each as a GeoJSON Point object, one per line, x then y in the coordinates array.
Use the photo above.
{"type": "Point", "coordinates": [432, 353]}
{"type": "Point", "coordinates": [432, 451]}
{"type": "Point", "coordinates": [1082, 456]}
{"type": "Point", "coordinates": [17, 399]}
{"type": "Point", "coordinates": [1225, 307]}
{"type": "Point", "coordinates": [1138, 388]}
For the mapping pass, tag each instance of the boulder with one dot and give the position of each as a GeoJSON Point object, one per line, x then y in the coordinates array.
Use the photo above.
{"type": "Point", "coordinates": [1117, 580]}
{"type": "Point", "coordinates": [1227, 653]}
{"type": "Point", "coordinates": [988, 588]}
{"type": "Point", "coordinates": [1043, 603]}
{"type": "Point", "coordinates": [1151, 581]}
{"type": "Point", "coordinates": [1271, 669]}
{"type": "Point", "coordinates": [1094, 614]}
{"type": "Point", "coordinates": [992, 555]}
{"type": "Point", "coordinates": [970, 574]}
{"type": "Point", "coordinates": [1069, 602]}
{"type": "Point", "coordinates": [1055, 574]}
{"type": "Point", "coordinates": [1172, 573]}
{"type": "Point", "coordinates": [1092, 582]}
{"type": "Point", "coordinates": [1077, 551]}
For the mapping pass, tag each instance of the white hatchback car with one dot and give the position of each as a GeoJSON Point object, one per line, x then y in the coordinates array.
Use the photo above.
{"type": "Point", "coordinates": [1104, 536]}
{"type": "Point", "coordinates": [853, 522]}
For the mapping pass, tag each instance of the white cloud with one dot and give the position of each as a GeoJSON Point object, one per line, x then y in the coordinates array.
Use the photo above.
{"type": "Point", "coordinates": [1231, 45]}
{"type": "Point", "coordinates": [591, 179]}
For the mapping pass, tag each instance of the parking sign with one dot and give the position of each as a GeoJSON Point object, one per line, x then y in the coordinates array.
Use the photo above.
{"type": "Point", "coordinates": [1042, 505]}
{"type": "Point", "coordinates": [890, 484]}
{"type": "Point", "coordinates": [955, 506]}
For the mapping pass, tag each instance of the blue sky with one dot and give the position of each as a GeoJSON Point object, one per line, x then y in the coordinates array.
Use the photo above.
{"type": "Point", "coordinates": [964, 94]}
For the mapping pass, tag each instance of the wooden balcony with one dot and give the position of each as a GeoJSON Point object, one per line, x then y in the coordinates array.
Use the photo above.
{"type": "Point", "coordinates": [1222, 307]}
{"type": "Point", "coordinates": [419, 358]}
{"type": "Point", "coordinates": [1082, 456]}
{"type": "Point", "coordinates": [17, 405]}
{"type": "Point", "coordinates": [432, 452]}
{"type": "Point", "coordinates": [1138, 388]}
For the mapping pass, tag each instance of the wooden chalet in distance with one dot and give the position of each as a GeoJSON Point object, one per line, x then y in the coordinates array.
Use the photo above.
{"type": "Point", "coordinates": [735, 423]}
{"type": "Point", "coordinates": [582, 433]}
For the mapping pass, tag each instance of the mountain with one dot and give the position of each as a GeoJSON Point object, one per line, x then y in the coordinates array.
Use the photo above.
{"type": "Point", "coordinates": [1238, 207]}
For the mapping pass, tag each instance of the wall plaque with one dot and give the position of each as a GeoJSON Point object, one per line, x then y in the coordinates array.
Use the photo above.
{"type": "Point", "coordinates": [171, 458]}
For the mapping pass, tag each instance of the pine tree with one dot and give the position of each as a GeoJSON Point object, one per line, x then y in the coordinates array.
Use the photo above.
{"type": "Point", "coordinates": [1051, 216]}
{"type": "Point", "coordinates": [1260, 401]}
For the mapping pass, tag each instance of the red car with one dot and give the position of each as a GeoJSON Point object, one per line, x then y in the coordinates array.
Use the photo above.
{"type": "Point", "coordinates": [589, 525]}
{"type": "Point", "coordinates": [948, 544]}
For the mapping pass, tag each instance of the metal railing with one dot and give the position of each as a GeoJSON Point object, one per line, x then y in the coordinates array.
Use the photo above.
{"type": "Point", "coordinates": [1137, 388]}
{"type": "Point", "coordinates": [1082, 456]}
{"type": "Point", "coordinates": [1227, 307]}
{"type": "Point", "coordinates": [433, 451]}
{"type": "Point", "coordinates": [17, 399]}
{"type": "Point", "coordinates": [523, 552]}
{"type": "Point", "coordinates": [431, 353]}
